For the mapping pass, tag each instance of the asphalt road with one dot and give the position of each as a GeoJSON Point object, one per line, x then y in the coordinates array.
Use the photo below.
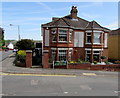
{"type": "Point", "coordinates": [23, 85]}
{"type": "Point", "coordinates": [5, 54]}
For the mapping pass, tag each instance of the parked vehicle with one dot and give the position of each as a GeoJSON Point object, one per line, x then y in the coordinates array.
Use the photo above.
{"type": "Point", "coordinates": [15, 50]}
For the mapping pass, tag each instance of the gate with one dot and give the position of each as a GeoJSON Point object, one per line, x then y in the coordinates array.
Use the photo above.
{"type": "Point", "coordinates": [37, 55]}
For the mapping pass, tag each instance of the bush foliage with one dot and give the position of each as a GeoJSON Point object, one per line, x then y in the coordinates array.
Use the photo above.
{"type": "Point", "coordinates": [25, 44]}
{"type": "Point", "coordinates": [21, 52]}
{"type": "Point", "coordinates": [20, 58]}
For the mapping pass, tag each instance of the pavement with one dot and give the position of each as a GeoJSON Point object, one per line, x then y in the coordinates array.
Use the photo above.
{"type": "Point", "coordinates": [9, 68]}
{"type": "Point", "coordinates": [4, 54]}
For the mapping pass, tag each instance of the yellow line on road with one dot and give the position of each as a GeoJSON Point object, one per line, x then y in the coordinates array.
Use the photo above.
{"type": "Point", "coordinates": [36, 75]}
{"type": "Point", "coordinates": [89, 74]}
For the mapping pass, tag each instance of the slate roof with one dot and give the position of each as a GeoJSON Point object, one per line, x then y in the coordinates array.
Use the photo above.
{"type": "Point", "coordinates": [95, 25]}
{"type": "Point", "coordinates": [78, 23]}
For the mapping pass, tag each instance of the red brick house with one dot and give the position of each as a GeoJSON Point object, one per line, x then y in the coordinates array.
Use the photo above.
{"type": "Point", "coordinates": [73, 38]}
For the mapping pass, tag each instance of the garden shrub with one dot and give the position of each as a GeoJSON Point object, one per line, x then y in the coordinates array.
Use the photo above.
{"type": "Point", "coordinates": [72, 62]}
{"type": "Point", "coordinates": [117, 62]}
{"type": "Point", "coordinates": [103, 57]}
{"type": "Point", "coordinates": [20, 57]}
{"type": "Point", "coordinates": [22, 52]}
{"type": "Point", "coordinates": [95, 62]}
{"type": "Point", "coordinates": [25, 44]}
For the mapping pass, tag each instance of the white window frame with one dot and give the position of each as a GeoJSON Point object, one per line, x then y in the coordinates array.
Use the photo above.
{"type": "Point", "coordinates": [70, 36]}
{"type": "Point", "coordinates": [97, 53]}
{"type": "Point", "coordinates": [99, 38]}
{"type": "Point", "coordinates": [54, 34]}
{"type": "Point", "coordinates": [62, 54]}
{"type": "Point", "coordinates": [63, 35]}
{"type": "Point", "coordinates": [70, 54]}
{"type": "Point", "coordinates": [53, 53]}
{"type": "Point", "coordinates": [87, 37]}
{"type": "Point", "coordinates": [87, 53]}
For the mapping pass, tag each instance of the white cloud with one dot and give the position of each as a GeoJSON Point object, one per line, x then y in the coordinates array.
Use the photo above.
{"type": "Point", "coordinates": [47, 8]}
{"type": "Point", "coordinates": [39, 18]}
{"type": "Point", "coordinates": [90, 16]}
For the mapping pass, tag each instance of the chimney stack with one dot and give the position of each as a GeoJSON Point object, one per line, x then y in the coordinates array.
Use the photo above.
{"type": "Point", "coordinates": [74, 12]}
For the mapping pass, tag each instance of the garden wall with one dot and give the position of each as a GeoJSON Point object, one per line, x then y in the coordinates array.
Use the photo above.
{"type": "Point", "coordinates": [109, 67]}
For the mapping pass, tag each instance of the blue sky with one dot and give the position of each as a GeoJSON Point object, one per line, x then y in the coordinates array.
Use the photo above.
{"type": "Point", "coordinates": [30, 15]}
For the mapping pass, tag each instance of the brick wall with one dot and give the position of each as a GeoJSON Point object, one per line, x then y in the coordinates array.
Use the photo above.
{"type": "Point", "coordinates": [112, 67]}
{"type": "Point", "coordinates": [78, 53]}
{"type": "Point", "coordinates": [28, 58]}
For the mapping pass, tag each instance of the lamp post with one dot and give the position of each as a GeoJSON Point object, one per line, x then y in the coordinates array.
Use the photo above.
{"type": "Point", "coordinates": [18, 30]}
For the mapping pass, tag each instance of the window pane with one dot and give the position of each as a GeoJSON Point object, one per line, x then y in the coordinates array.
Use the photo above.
{"type": "Point", "coordinates": [62, 35]}
{"type": "Point", "coordinates": [70, 55]}
{"type": "Point", "coordinates": [96, 37]}
{"type": "Point", "coordinates": [96, 57]}
{"type": "Point", "coordinates": [88, 39]}
{"type": "Point", "coordinates": [88, 52]}
{"type": "Point", "coordinates": [96, 51]}
{"type": "Point", "coordinates": [62, 55]}
{"type": "Point", "coordinates": [54, 55]}
{"type": "Point", "coordinates": [70, 36]}
{"type": "Point", "coordinates": [88, 57]}
{"type": "Point", "coordinates": [54, 35]}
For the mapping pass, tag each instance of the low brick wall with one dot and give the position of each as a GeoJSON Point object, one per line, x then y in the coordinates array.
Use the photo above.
{"type": "Point", "coordinates": [110, 67]}
{"type": "Point", "coordinates": [79, 66]}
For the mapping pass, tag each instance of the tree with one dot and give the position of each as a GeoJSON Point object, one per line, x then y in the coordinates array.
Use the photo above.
{"type": "Point", "coordinates": [2, 41]}
{"type": "Point", "coordinates": [25, 44]}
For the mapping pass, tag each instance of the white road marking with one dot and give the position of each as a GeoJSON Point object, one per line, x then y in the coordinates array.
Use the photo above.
{"type": "Point", "coordinates": [65, 92]}
{"type": "Point", "coordinates": [34, 82]}
{"type": "Point", "coordinates": [89, 74]}
{"type": "Point", "coordinates": [85, 87]}
{"type": "Point", "coordinates": [117, 91]}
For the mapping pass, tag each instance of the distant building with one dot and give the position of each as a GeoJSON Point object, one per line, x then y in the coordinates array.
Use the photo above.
{"type": "Point", "coordinates": [73, 38]}
{"type": "Point", "coordinates": [114, 44]}
{"type": "Point", "coordinates": [10, 46]}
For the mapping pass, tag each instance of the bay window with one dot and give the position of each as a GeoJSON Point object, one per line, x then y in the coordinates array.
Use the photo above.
{"type": "Point", "coordinates": [70, 55]}
{"type": "Point", "coordinates": [62, 54]}
{"type": "Point", "coordinates": [96, 56]}
{"type": "Point", "coordinates": [62, 35]}
{"type": "Point", "coordinates": [54, 55]}
{"type": "Point", "coordinates": [97, 38]}
{"type": "Point", "coordinates": [88, 38]}
{"type": "Point", "coordinates": [88, 55]}
{"type": "Point", "coordinates": [70, 36]}
{"type": "Point", "coordinates": [54, 38]}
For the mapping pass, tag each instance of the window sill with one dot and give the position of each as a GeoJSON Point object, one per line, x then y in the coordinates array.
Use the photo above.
{"type": "Point", "coordinates": [62, 42]}
{"type": "Point", "coordinates": [88, 43]}
{"type": "Point", "coordinates": [97, 44]}
{"type": "Point", "coordinates": [54, 41]}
